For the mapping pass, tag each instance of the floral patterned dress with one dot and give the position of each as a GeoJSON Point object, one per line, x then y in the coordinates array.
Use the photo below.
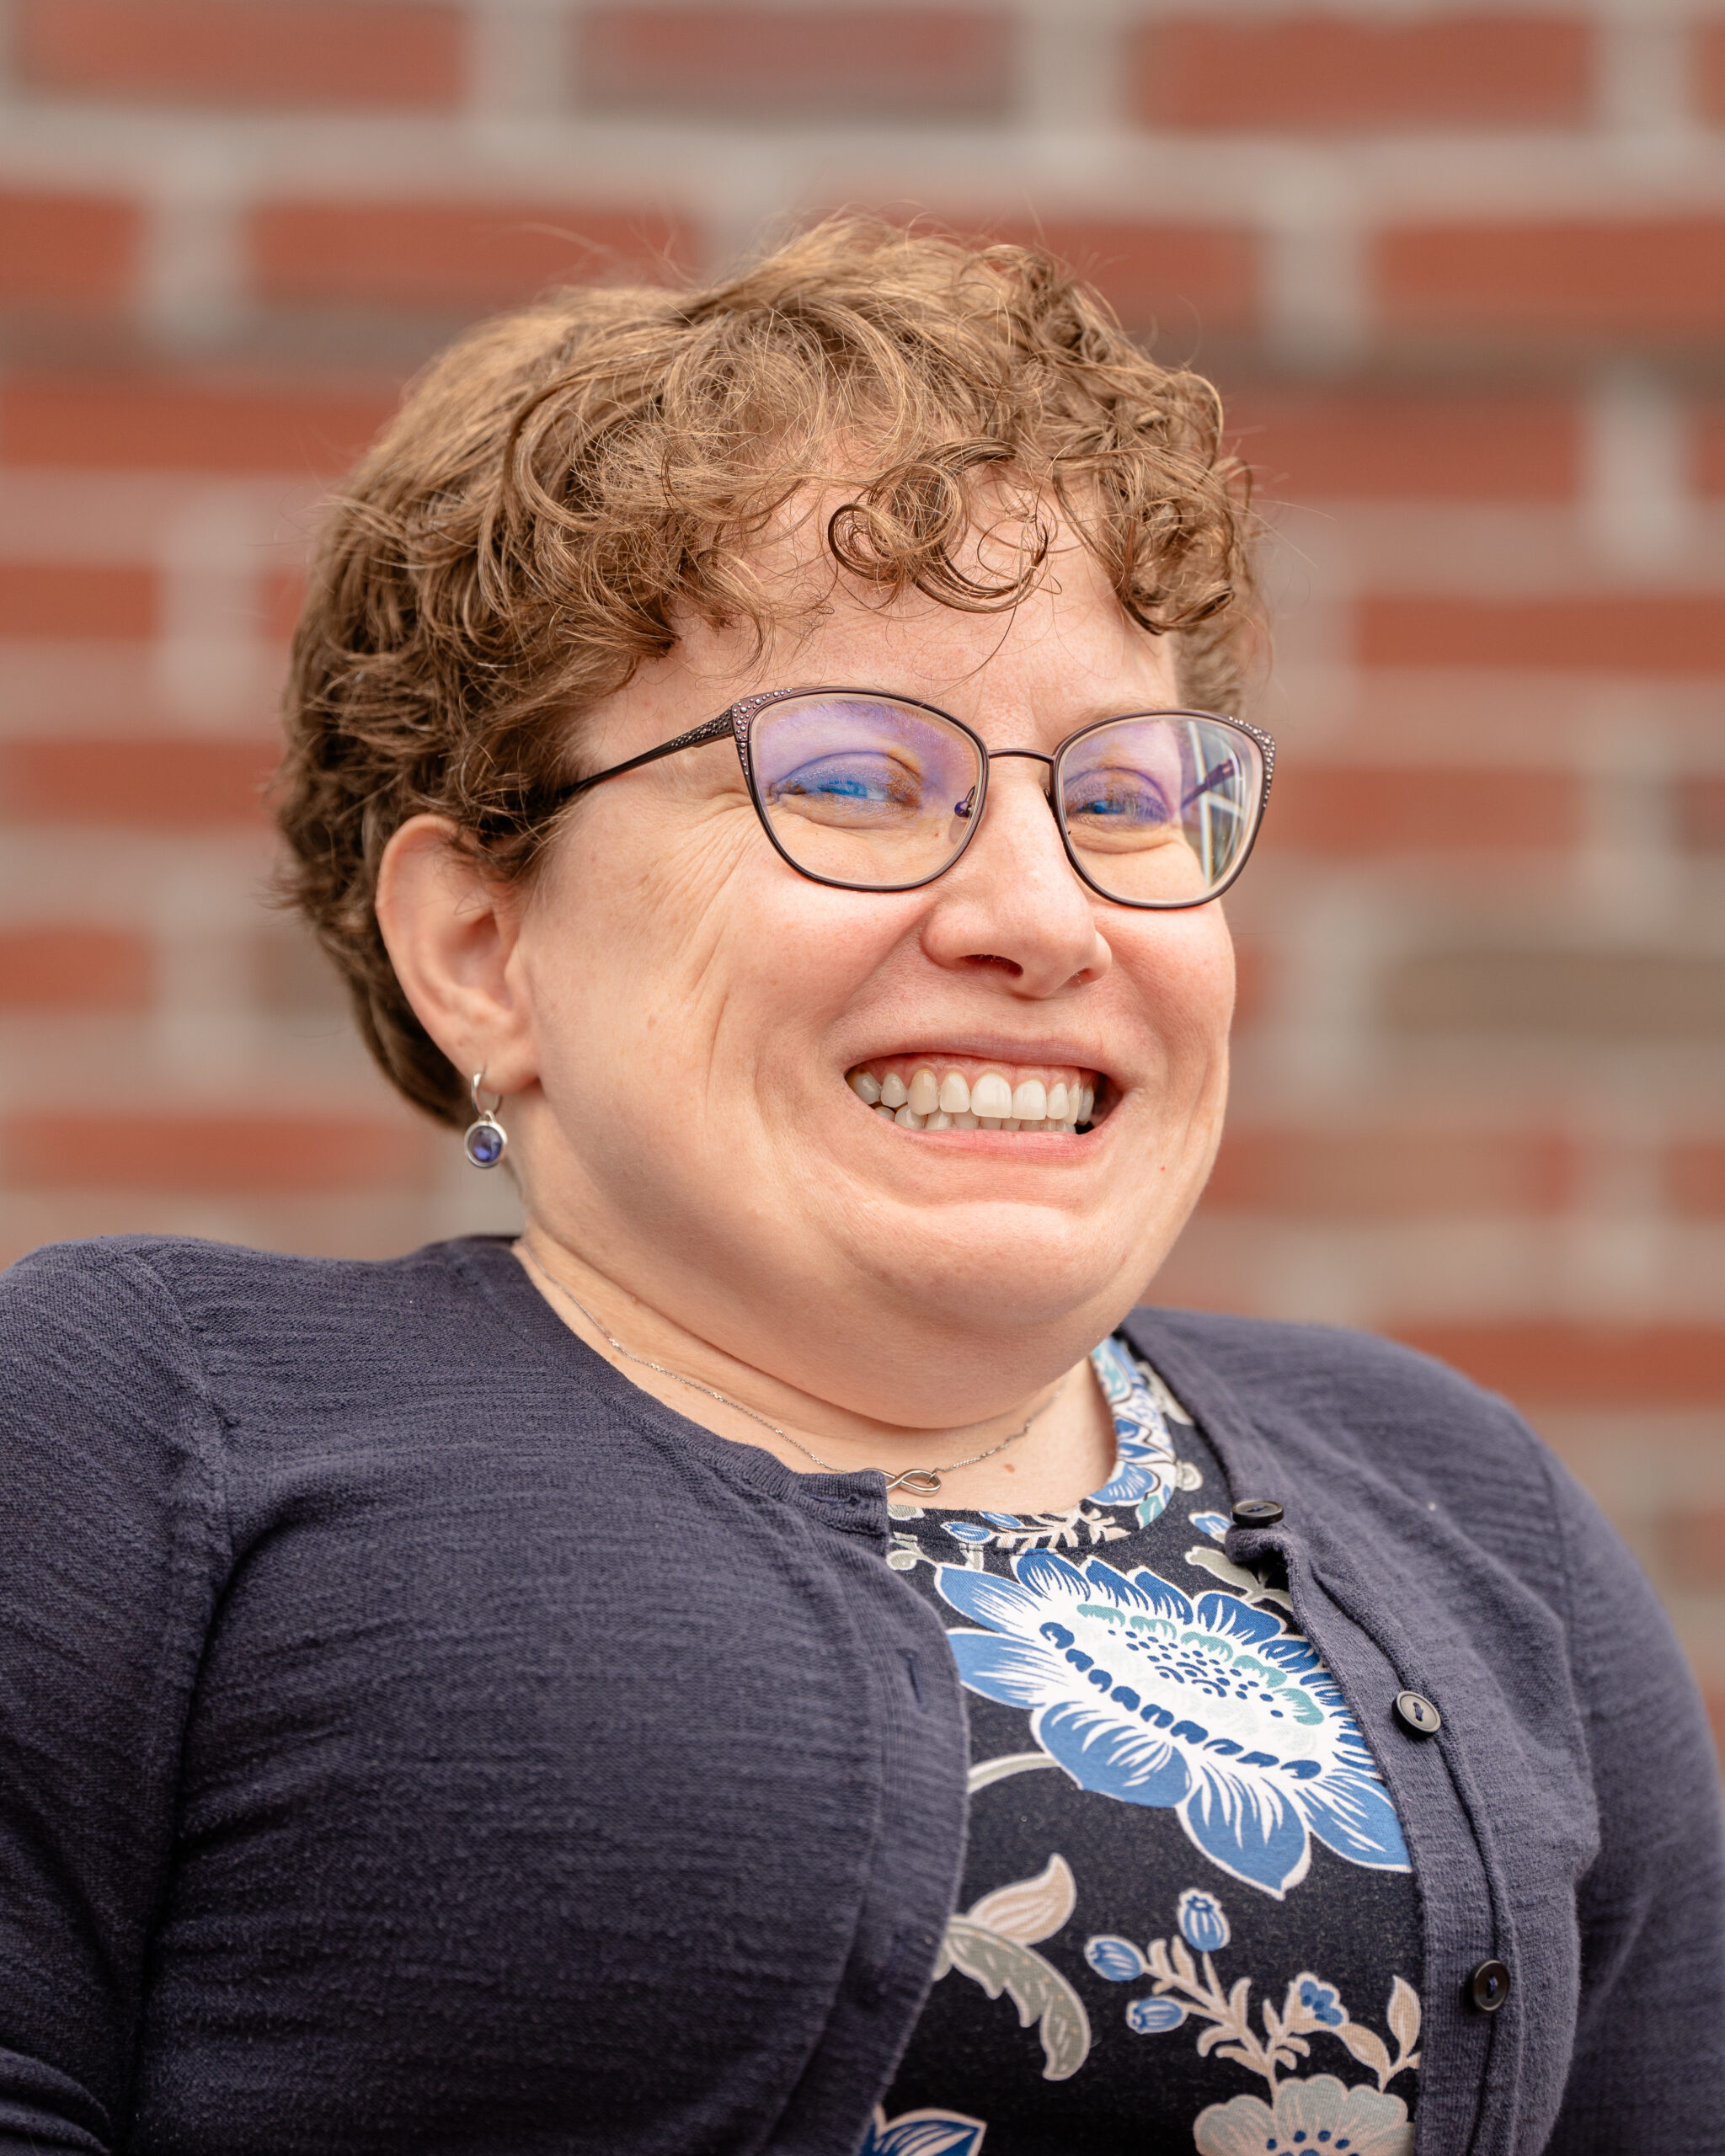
{"type": "Point", "coordinates": [1188, 1918]}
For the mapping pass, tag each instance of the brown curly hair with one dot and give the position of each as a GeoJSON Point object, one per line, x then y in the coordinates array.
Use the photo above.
{"type": "Point", "coordinates": [566, 482]}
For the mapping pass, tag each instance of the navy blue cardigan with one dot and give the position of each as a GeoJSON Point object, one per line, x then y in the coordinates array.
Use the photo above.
{"type": "Point", "coordinates": [415, 1737]}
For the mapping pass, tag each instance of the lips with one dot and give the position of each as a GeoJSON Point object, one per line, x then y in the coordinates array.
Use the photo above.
{"type": "Point", "coordinates": [963, 1092]}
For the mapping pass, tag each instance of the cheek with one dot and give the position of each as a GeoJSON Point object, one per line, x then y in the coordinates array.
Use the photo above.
{"type": "Point", "coordinates": [1182, 965]}
{"type": "Point", "coordinates": [693, 960]}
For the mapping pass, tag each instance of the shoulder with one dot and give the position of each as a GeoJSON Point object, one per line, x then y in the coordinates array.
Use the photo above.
{"type": "Point", "coordinates": [191, 1271]}
{"type": "Point", "coordinates": [1364, 1415]}
{"type": "Point", "coordinates": [171, 1310]}
{"type": "Point", "coordinates": [126, 1279]}
{"type": "Point", "coordinates": [1361, 1386]}
{"type": "Point", "coordinates": [75, 1304]}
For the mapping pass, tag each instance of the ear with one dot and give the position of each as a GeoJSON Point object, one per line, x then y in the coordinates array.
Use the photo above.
{"type": "Point", "coordinates": [451, 933]}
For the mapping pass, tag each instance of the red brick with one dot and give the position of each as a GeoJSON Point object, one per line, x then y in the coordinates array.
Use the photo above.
{"type": "Point", "coordinates": [1710, 451]}
{"type": "Point", "coordinates": [1380, 446]}
{"type": "Point", "coordinates": [50, 969]}
{"type": "Point", "coordinates": [1701, 813]}
{"type": "Point", "coordinates": [173, 424]}
{"type": "Point", "coordinates": [792, 63]}
{"type": "Point", "coordinates": [1348, 813]}
{"type": "Point", "coordinates": [1251, 981]}
{"type": "Point", "coordinates": [66, 250]}
{"type": "Point", "coordinates": [244, 52]}
{"type": "Point", "coordinates": [1694, 1180]}
{"type": "Point", "coordinates": [1694, 1546]}
{"type": "Point", "coordinates": [1709, 76]}
{"type": "Point", "coordinates": [1562, 996]}
{"type": "Point", "coordinates": [1176, 277]}
{"type": "Point", "coordinates": [1552, 1364]}
{"type": "Point", "coordinates": [1390, 1175]}
{"type": "Point", "coordinates": [207, 1153]}
{"type": "Point", "coordinates": [53, 599]}
{"type": "Point", "coordinates": [165, 784]}
{"type": "Point", "coordinates": [284, 597]}
{"type": "Point", "coordinates": [1613, 632]}
{"type": "Point", "coordinates": [1630, 277]}
{"type": "Point", "coordinates": [449, 254]}
{"type": "Point", "coordinates": [1329, 71]}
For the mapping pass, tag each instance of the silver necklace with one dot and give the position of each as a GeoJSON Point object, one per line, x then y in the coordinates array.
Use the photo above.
{"type": "Point", "coordinates": [915, 1481]}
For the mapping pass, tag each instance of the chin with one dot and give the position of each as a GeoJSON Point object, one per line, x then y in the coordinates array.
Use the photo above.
{"type": "Point", "coordinates": [996, 1267]}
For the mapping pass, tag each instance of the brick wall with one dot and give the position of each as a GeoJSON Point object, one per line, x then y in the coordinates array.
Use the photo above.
{"type": "Point", "coordinates": [1461, 269]}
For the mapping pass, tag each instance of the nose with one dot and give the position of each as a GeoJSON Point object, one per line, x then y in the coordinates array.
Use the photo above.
{"type": "Point", "coordinates": [1011, 903]}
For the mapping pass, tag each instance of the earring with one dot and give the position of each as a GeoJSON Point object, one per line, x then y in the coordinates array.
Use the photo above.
{"type": "Point", "coordinates": [485, 1141]}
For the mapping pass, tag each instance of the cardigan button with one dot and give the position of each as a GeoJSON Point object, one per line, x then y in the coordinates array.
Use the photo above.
{"type": "Point", "coordinates": [1488, 1987]}
{"type": "Point", "coordinates": [1417, 1715]}
{"type": "Point", "coordinates": [1257, 1512]}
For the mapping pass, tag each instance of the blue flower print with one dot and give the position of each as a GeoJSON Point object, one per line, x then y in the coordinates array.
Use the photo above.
{"type": "Point", "coordinates": [1323, 2002]}
{"type": "Point", "coordinates": [923, 2134]}
{"type": "Point", "coordinates": [967, 1530]}
{"type": "Point", "coordinates": [1215, 1525]}
{"type": "Point", "coordinates": [1116, 1959]}
{"type": "Point", "coordinates": [1145, 1470]}
{"type": "Point", "coordinates": [1154, 2017]}
{"type": "Point", "coordinates": [1206, 1708]}
{"type": "Point", "coordinates": [1202, 1924]}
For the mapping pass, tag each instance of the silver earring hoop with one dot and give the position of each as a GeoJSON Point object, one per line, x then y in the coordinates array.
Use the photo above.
{"type": "Point", "coordinates": [485, 1141]}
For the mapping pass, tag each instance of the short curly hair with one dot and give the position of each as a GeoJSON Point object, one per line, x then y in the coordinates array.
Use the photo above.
{"type": "Point", "coordinates": [568, 481]}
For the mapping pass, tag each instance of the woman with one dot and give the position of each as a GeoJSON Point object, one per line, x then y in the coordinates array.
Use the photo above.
{"type": "Point", "coordinates": [680, 1683]}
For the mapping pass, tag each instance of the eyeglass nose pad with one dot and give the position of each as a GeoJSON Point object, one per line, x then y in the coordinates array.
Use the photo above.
{"type": "Point", "coordinates": [964, 807]}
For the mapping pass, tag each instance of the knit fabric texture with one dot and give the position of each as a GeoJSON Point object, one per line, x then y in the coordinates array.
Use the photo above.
{"type": "Point", "coordinates": [415, 1736]}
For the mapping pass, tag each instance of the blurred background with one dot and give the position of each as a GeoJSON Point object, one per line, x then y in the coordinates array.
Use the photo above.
{"type": "Point", "coordinates": [1461, 272]}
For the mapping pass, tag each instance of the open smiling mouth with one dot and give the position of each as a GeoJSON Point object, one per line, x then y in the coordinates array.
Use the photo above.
{"type": "Point", "coordinates": [966, 1093]}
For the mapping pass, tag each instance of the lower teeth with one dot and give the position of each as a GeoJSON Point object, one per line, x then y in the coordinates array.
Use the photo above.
{"type": "Point", "coordinates": [908, 1119]}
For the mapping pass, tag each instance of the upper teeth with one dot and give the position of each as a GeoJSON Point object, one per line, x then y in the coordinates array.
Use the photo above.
{"type": "Point", "coordinates": [946, 1100]}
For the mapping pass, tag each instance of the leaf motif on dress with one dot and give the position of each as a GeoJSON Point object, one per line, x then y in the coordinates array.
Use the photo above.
{"type": "Point", "coordinates": [1223, 1568]}
{"type": "Point", "coordinates": [1367, 2047]}
{"type": "Point", "coordinates": [1310, 2008]}
{"type": "Point", "coordinates": [1037, 1988]}
{"type": "Point", "coordinates": [1404, 2015]}
{"type": "Point", "coordinates": [926, 2133]}
{"type": "Point", "coordinates": [1030, 1909]}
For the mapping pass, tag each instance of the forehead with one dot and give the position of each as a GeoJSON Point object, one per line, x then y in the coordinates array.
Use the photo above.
{"type": "Point", "coordinates": [1066, 652]}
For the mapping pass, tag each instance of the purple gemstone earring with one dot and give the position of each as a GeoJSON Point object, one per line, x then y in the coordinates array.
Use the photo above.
{"type": "Point", "coordinates": [485, 1141]}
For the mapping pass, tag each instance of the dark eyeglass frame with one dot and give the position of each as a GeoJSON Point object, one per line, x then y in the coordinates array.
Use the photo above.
{"type": "Point", "coordinates": [740, 718]}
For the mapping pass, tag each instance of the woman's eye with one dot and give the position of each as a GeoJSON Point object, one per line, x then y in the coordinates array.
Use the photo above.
{"type": "Point", "coordinates": [850, 782]}
{"type": "Point", "coordinates": [1118, 797]}
{"type": "Point", "coordinates": [839, 782]}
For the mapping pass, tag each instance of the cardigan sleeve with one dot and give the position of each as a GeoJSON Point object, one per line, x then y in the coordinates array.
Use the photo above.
{"type": "Point", "coordinates": [107, 1543]}
{"type": "Point", "coordinates": [1649, 2053]}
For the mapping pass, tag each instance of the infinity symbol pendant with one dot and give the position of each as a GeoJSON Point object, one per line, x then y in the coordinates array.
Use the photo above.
{"type": "Point", "coordinates": [916, 1481]}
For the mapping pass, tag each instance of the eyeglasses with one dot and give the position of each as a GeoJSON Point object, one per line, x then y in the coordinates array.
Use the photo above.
{"type": "Point", "coordinates": [872, 792]}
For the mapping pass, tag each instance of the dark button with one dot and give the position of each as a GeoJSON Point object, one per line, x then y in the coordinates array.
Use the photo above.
{"type": "Point", "coordinates": [1417, 1715]}
{"type": "Point", "coordinates": [1488, 1987]}
{"type": "Point", "coordinates": [1257, 1512]}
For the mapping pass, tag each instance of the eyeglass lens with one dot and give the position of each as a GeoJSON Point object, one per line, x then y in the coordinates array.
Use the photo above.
{"type": "Point", "coordinates": [864, 791]}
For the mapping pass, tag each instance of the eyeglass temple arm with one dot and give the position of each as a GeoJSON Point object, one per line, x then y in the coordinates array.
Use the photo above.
{"type": "Point", "coordinates": [715, 729]}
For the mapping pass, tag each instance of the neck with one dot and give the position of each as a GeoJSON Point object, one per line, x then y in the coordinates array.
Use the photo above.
{"type": "Point", "coordinates": [1066, 1451]}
